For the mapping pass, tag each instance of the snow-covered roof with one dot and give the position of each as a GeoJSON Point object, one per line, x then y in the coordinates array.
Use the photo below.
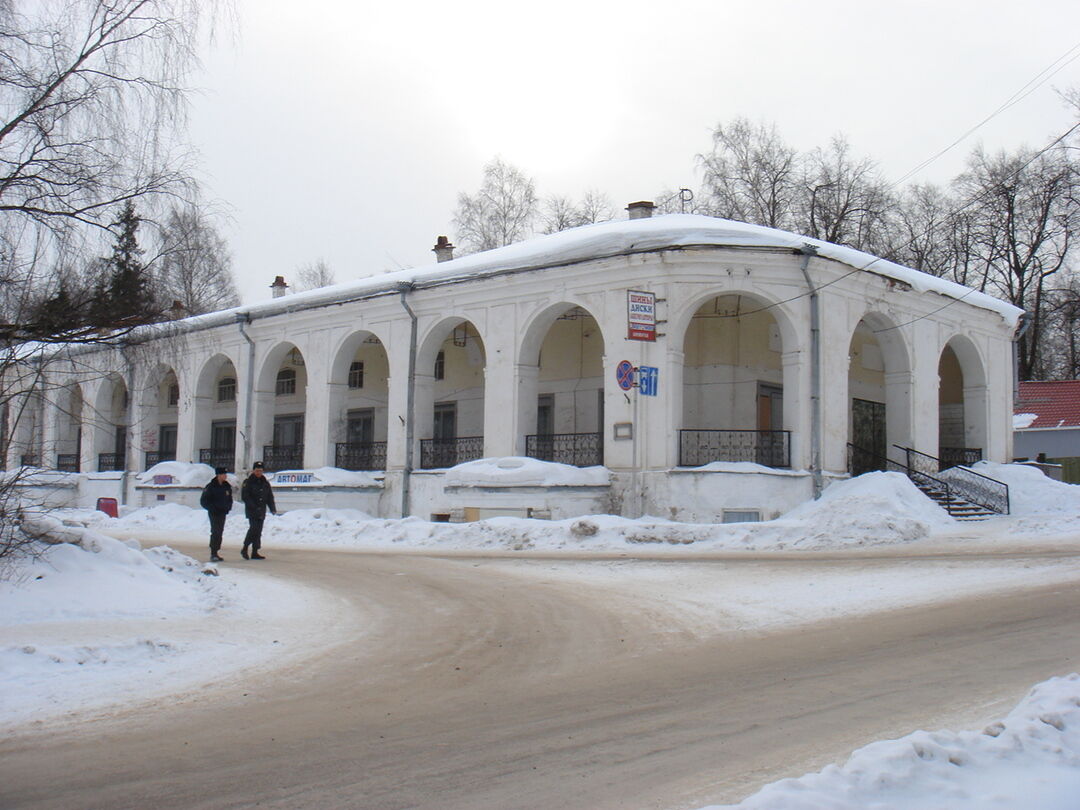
{"type": "Point", "coordinates": [590, 242]}
{"type": "Point", "coordinates": [1053, 404]}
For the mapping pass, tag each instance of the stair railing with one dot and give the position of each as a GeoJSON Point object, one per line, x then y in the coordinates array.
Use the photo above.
{"type": "Point", "coordinates": [923, 480]}
{"type": "Point", "coordinates": [973, 487]}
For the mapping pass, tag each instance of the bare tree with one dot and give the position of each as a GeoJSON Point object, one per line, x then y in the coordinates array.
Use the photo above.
{"type": "Point", "coordinates": [500, 213]}
{"type": "Point", "coordinates": [751, 175]}
{"type": "Point", "coordinates": [844, 199]}
{"type": "Point", "coordinates": [314, 275]}
{"type": "Point", "coordinates": [193, 266]}
{"type": "Point", "coordinates": [560, 212]}
{"type": "Point", "coordinates": [1025, 213]}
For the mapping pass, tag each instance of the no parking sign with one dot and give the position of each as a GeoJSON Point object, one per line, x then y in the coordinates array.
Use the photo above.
{"type": "Point", "coordinates": [624, 374]}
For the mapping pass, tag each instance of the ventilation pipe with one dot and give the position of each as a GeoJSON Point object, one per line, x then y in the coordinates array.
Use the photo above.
{"type": "Point", "coordinates": [642, 209]}
{"type": "Point", "coordinates": [808, 251]}
{"type": "Point", "coordinates": [443, 250]}
{"type": "Point", "coordinates": [279, 287]}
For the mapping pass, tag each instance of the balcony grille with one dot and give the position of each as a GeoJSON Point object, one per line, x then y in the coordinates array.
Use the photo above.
{"type": "Point", "coordinates": [218, 457]}
{"type": "Point", "coordinates": [438, 453]}
{"type": "Point", "coordinates": [110, 462]}
{"type": "Point", "coordinates": [576, 449]}
{"type": "Point", "coordinates": [770, 448]}
{"type": "Point", "coordinates": [67, 462]}
{"type": "Point", "coordinates": [283, 457]}
{"type": "Point", "coordinates": [157, 456]}
{"type": "Point", "coordinates": [360, 456]}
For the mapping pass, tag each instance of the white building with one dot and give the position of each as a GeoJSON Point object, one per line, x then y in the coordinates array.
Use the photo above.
{"type": "Point", "coordinates": [772, 354]}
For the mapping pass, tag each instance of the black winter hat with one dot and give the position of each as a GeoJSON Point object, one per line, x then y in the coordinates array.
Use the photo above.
{"type": "Point", "coordinates": [220, 471]}
{"type": "Point", "coordinates": [257, 465]}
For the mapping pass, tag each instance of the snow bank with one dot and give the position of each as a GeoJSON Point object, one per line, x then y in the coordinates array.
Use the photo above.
{"type": "Point", "coordinates": [183, 474]}
{"type": "Point", "coordinates": [325, 476]}
{"type": "Point", "coordinates": [1030, 759]}
{"type": "Point", "coordinates": [522, 471]}
{"type": "Point", "coordinates": [1031, 492]}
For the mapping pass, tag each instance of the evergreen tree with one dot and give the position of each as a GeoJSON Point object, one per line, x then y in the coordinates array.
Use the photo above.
{"type": "Point", "coordinates": [129, 291]}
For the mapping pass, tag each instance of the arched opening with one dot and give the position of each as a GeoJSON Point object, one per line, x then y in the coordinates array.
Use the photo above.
{"type": "Point", "coordinates": [69, 429]}
{"type": "Point", "coordinates": [21, 420]}
{"type": "Point", "coordinates": [358, 401]}
{"type": "Point", "coordinates": [215, 404]}
{"type": "Point", "coordinates": [962, 419]}
{"type": "Point", "coordinates": [280, 404]}
{"type": "Point", "coordinates": [564, 355]}
{"type": "Point", "coordinates": [450, 395]}
{"type": "Point", "coordinates": [879, 394]}
{"type": "Point", "coordinates": [733, 385]}
{"type": "Point", "coordinates": [158, 431]}
{"type": "Point", "coordinates": [110, 424]}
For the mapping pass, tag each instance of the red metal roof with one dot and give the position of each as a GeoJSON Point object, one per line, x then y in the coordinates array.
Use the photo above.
{"type": "Point", "coordinates": [1056, 404]}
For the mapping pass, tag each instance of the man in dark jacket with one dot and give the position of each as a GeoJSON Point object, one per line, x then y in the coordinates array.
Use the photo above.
{"type": "Point", "coordinates": [217, 501]}
{"type": "Point", "coordinates": [257, 497]}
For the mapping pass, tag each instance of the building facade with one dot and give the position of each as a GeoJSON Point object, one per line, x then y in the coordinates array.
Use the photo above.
{"type": "Point", "coordinates": [760, 366]}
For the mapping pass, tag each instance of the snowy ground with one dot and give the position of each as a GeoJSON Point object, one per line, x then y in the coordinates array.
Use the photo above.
{"type": "Point", "coordinates": [84, 629]}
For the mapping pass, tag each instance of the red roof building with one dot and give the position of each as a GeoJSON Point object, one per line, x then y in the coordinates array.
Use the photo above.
{"type": "Point", "coordinates": [1053, 405]}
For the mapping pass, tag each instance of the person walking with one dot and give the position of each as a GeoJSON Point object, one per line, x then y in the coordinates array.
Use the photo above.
{"type": "Point", "coordinates": [257, 497]}
{"type": "Point", "coordinates": [217, 500]}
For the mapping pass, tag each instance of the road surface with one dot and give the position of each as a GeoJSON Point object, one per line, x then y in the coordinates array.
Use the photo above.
{"type": "Point", "coordinates": [467, 684]}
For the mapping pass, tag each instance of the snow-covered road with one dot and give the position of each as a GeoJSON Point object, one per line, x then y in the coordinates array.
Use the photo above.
{"type": "Point", "coordinates": [490, 681]}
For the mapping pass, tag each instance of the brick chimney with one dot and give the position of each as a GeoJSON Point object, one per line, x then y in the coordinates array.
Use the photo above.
{"type": "Point", "coordinates": [641, 209]}
{"type": "Point", "coordinates": [279, 286]}
{"type": "Point", "coordinates": [444, 251]}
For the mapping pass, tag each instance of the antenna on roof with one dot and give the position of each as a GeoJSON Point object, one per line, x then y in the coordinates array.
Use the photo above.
{"type": "Point", "coordinates": [686, 196]}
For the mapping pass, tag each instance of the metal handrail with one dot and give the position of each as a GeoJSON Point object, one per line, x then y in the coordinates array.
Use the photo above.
{"type": "Point", "coordinates": [67, 462]}
{"type": "Point", "coordinates": [992, 495]}
{"type": "Point", "coordinates": [440, 453]}
{"type": "Point", "coordinates": [359, 456]}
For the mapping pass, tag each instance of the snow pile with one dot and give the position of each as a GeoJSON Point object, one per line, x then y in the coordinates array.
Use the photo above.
{"type": "Point", "coordinates": [874, 508]}
{"type": "Point", "coordinates": [105, 579]}
{"type": "Point", "coordinates": [521, 471]}
{"type": "Point", "coordinates": [1023, 420]}
{"type": "Point", "coordinates": [1031, 492]}
{"type": "Point", "coordinates": [182, 473]}
{"type": "Point", "coordinates": [1030, 759]}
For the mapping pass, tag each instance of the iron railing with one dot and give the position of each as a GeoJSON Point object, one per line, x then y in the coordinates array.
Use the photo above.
{"type": "Point", "coordinates": [360, 456]}
{"type": "Point", "coordinates": [981, 490]}
{"type": "Point", "coordinates": [157, 456]}
{"type": "Point", "coordinates": [283, 456]}
{"type": "Point", "coordinates": [770, 448]}
{"type": "Point", "coordinates": [218, 457]}
{"type": "Point", "coordinates": [67, 462]}
{"type": "Point", "coordinates": [110, 462]}
{"type": "Point", "coordinates": [861, 460]}
{"type": "Point", "coordinates": [30, 460]}
{"type": "Point", "coordinates": [437, 453]}
{"type": "Point", "coordinates": [959, 456]}
{"type": "Point", "coordinates": [576, 449]}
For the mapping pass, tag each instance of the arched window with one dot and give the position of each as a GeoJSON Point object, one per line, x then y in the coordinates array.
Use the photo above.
{"type": "Point", "coordinates": [174, 395]}
{"type": "Point", "coordinates": [440, 366]}
{"type": "Point", "coordinates": [226, 389]}
{"type": "Point", "coordinates": [286, 382]}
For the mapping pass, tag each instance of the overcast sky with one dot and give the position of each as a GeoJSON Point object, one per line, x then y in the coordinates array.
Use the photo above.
{"type": "Point", "coordinates": [344, 131]}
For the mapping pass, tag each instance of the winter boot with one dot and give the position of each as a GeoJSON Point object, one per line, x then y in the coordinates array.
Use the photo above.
{"type": "Point", "coordinates": [243, 552]}
{"type": "Point", "coordinates": [257, 556]}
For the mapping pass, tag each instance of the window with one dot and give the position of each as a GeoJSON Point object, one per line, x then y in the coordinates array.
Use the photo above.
{"type": "Point", "coordinates": [440, 366]}
{"type": "Point", "coordinates": [356, 374]}
{"type": "Point", "coordinates": [226, 389]}
{"type": "Point", "coordinates": [545, 414]}
{"type": "Point", "coordinates": [167, 441]}
{"type": "Point", "coordinates": [445, 420]}
{"type": "Point", "coordinates": [223, 435]}
{"type": "Point", "coordinates": [289, 430]}
{"type": "Point", "coordinates": [174, 395]}
{"type": "Point", "coordinates": [360, 426]}
{"type": "Point", "coordinates": [286, 382]}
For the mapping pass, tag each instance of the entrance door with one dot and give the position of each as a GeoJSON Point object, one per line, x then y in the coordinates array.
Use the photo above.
{"type": "Point", "coordinates": [445, 421]}
{"type": "Point", "coordinates": [868, 436]}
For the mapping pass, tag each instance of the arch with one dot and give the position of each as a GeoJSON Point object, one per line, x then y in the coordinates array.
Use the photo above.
{"type": "Point", "coordinates": [879, 398]}
{"type": "Point", "coordinates": [739, 395]}
{"type": "Point", "coordinates": [358, 406]}
{"type": "Point", "coordinates": [214, 426]}
{"type": "Point", "coordinates": [963, 419]}
{"type": "Point", "coordinates": [110, 428]}
{"type": "Point", "coordinates": [69, 427]}
{"type": "Point", "coordinates": [561, 383]}
{"type": "Point", "coordinates": [449, 395]}
{"type": "Point", "coordinates": [683, 314]}
{"type": "Point", "coordinates": [156, 428]}
{"type": "Point", "coordinates": [279, 413]}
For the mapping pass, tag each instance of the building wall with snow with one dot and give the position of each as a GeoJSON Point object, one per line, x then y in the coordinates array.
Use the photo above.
{"type": "Point", "coordinates": [501, 336]}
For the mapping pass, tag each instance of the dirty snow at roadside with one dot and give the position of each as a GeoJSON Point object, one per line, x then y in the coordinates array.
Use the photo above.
{"type": "Point", "coordinates": [1031, 759]}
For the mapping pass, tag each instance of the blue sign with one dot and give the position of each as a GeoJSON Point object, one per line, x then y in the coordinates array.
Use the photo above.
{"type": "Point", "coordinates": [648, 380]}
{"type": "Point", "coordinates": [624, 374]}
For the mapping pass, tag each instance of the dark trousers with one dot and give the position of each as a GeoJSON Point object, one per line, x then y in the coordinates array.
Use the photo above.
{"type": "Point", "coordinates": [217, 526]}
{"type": "Point", "coordinates": [254, 534]}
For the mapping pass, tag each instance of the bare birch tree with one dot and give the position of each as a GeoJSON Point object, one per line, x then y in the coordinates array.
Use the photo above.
{"type": "Point", "coordinates": [313, 275]}
{"type": "Point", "coordinates": [500, 213]}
